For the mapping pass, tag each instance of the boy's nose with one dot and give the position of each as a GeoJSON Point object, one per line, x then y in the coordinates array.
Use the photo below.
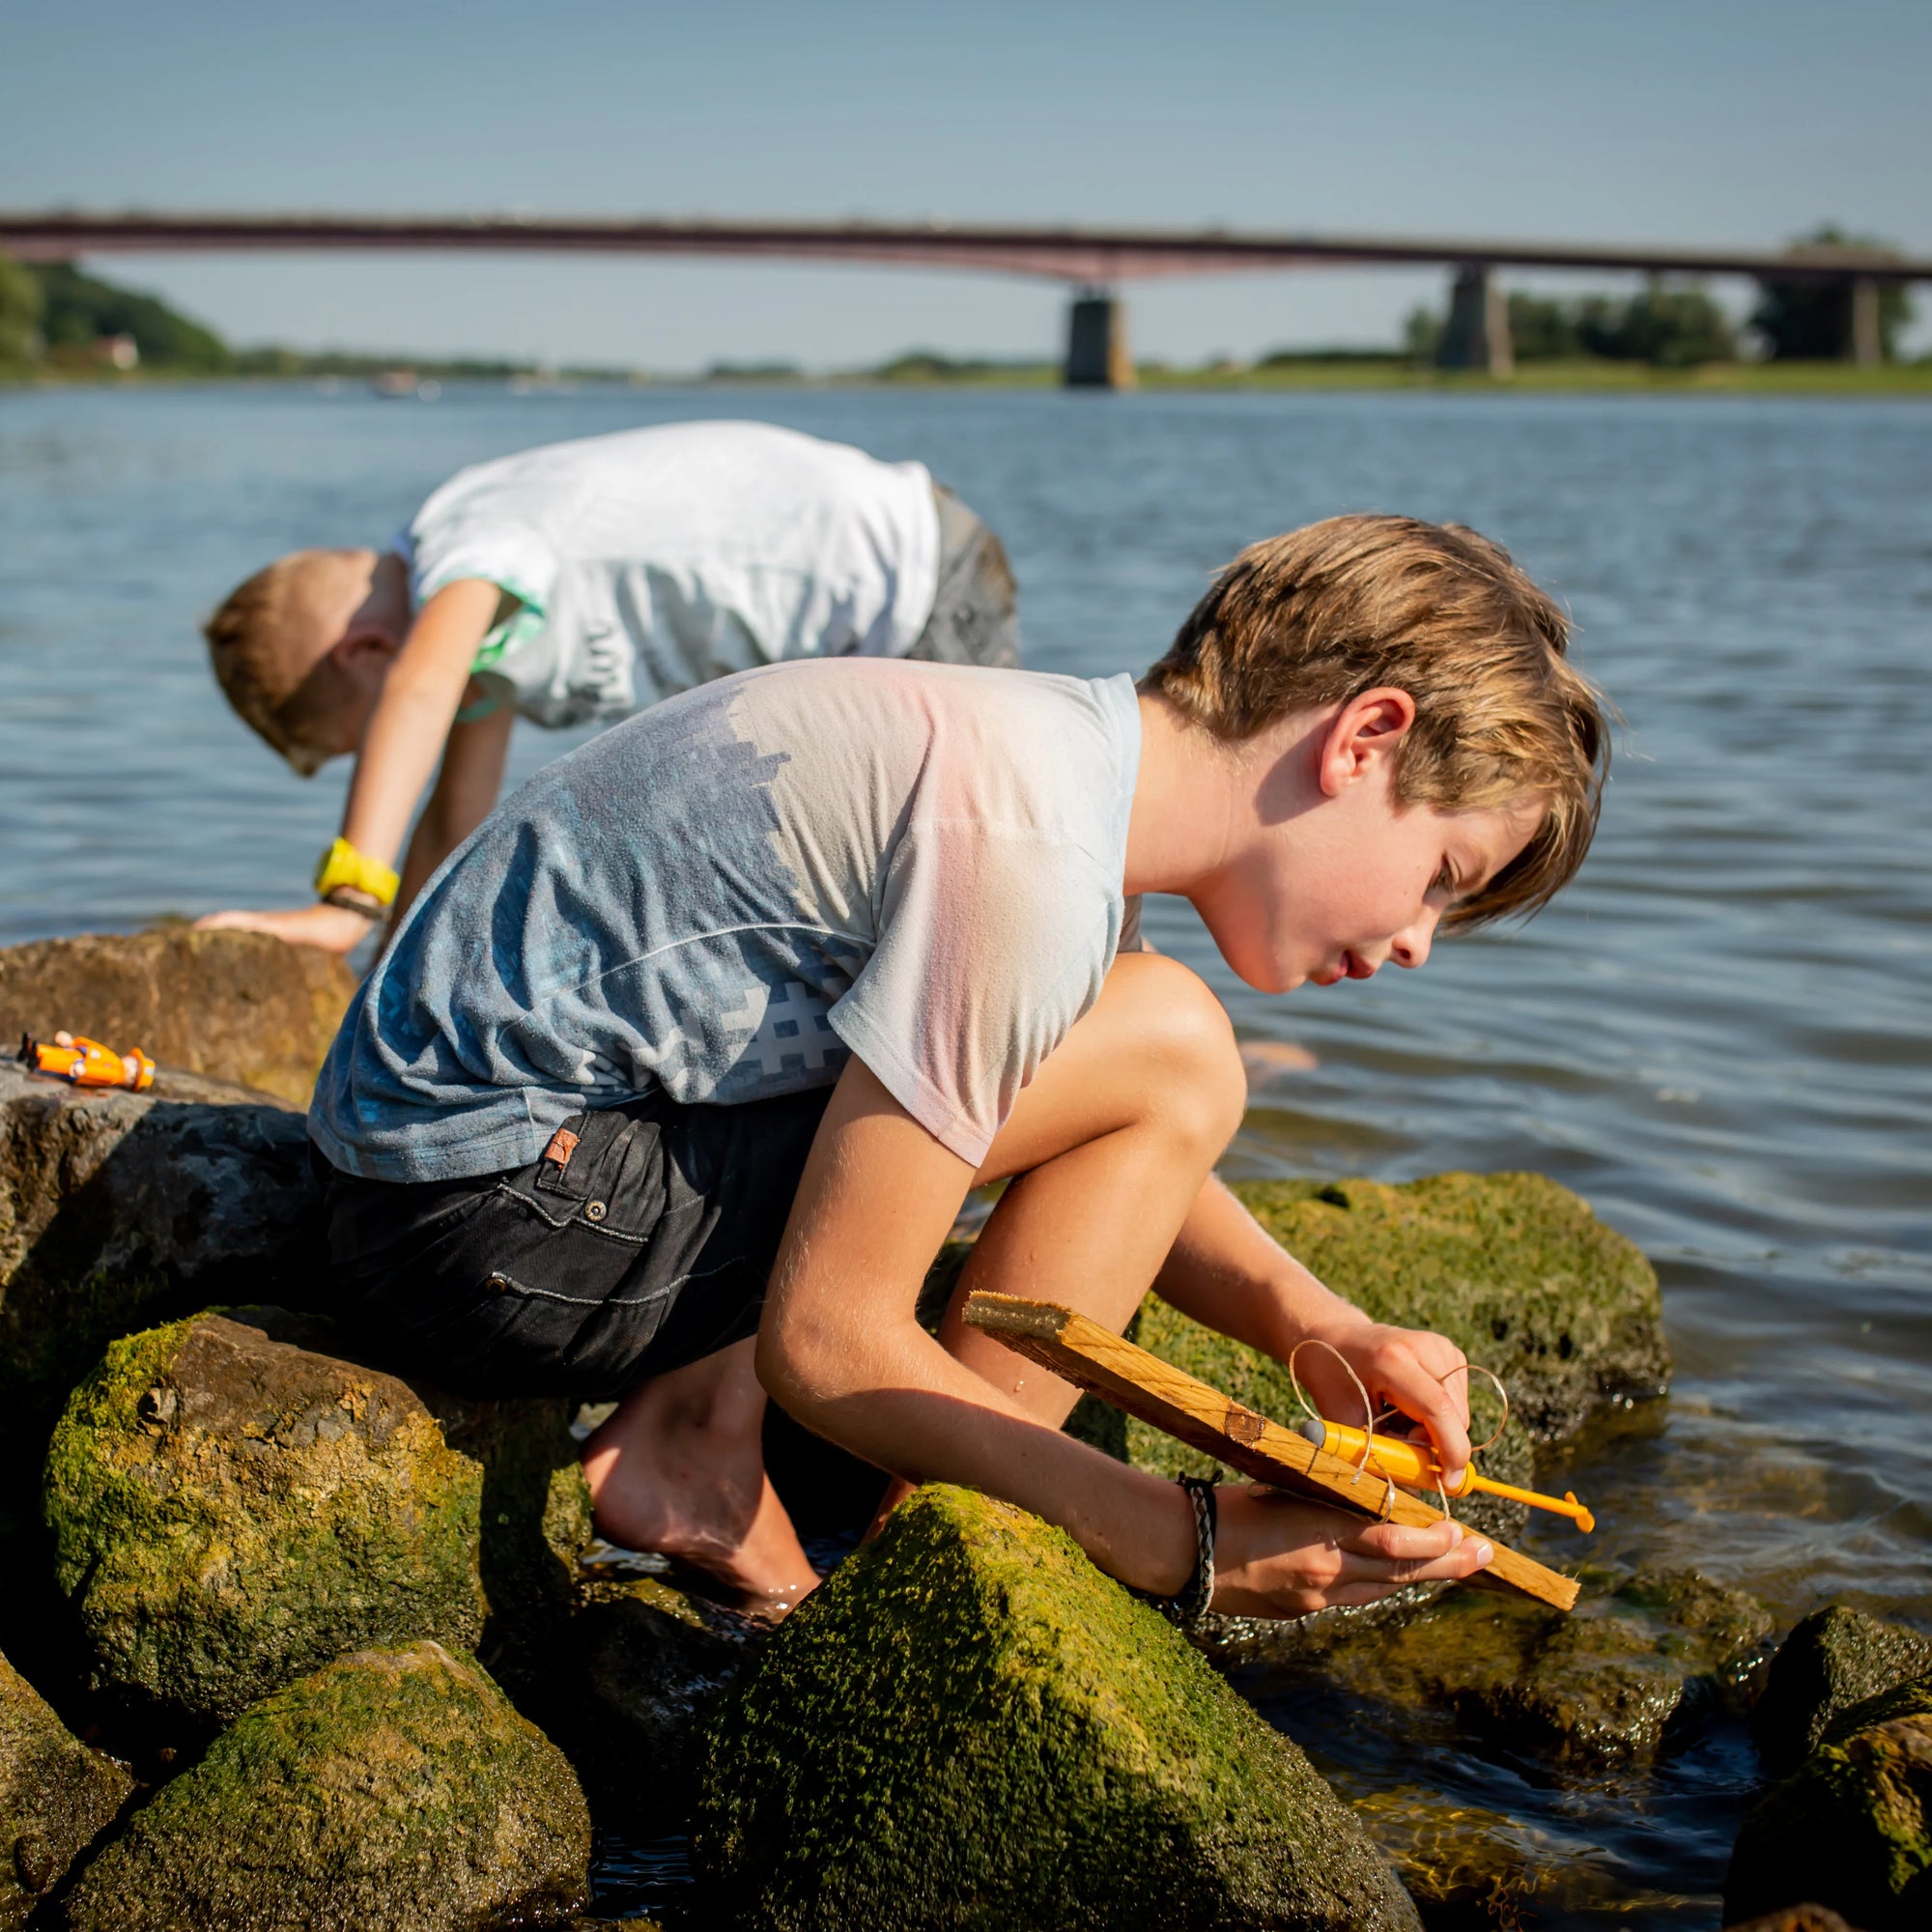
{"type": "Point", "coordinates": [1410, 946]}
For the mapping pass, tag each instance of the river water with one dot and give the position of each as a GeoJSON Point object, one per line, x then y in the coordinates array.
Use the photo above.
{"type": "Point", "coordinates": [1721, 1036]}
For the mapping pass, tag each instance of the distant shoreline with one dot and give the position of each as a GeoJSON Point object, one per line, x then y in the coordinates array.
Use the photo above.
{"type": "Point", "coordinates": [1314, 373]}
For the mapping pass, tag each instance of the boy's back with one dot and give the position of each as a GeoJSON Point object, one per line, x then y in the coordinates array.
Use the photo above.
{"type": "Point", "coordinates": [724, 897]}
{"type": "Point", "coordinates": [648, 561]}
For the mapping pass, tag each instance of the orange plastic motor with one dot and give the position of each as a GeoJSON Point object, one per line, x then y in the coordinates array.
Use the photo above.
{"type": "Point", "coordinates": [1413, 1466]}
{"type": "Point", "coordinates": [86, 1063]}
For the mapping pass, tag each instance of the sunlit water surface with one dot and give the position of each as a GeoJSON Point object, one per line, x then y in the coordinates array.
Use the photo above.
{"type": "Point", "coordinates": [1720, 1036]}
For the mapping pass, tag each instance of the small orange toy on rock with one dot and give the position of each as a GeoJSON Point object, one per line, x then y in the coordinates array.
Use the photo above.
{"type": "Point", "coordinates": [86, 1063]}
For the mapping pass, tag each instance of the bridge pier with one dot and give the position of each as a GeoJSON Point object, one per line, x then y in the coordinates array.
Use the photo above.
{"type": "Point", "coordinates": [1864, 345]}
{"type": "Point", "coordinates": [1477, 333]}
{"type": "Point", "coordinates": [1096, 342]}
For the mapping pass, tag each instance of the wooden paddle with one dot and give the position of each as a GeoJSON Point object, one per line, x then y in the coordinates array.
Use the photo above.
{"type": "Point", "coordinates": [1095, 1358]}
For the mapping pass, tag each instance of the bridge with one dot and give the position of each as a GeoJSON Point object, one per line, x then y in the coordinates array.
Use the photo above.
{"type": "Point", "coordinates": [1094, 261]}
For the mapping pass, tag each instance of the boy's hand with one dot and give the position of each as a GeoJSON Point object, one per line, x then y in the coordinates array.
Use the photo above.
{"type": "Point", "coordinates": [1401, 1368]}
{"type": "Point", "coordinates": [334, 928]}
{"type": "Point", "coordinates": [1277, 1557]}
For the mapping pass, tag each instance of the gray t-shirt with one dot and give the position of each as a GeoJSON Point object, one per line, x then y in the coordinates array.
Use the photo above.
{"type": "Point", "coordinates": [722, 897]}
{"type": "Point", "coordinates": [646, 563]}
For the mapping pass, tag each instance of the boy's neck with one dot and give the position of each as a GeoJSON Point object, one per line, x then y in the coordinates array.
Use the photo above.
{"type": "Point", "coordinates": [1193, 801]}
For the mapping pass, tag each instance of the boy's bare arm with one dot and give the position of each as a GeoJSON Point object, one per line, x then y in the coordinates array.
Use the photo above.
{"type": "Point", "coordinates": [406, 736]}
{"type": "Point", "coordinates": [839, 1347]}
{"type": "Point", "coordinates": [466, 792]}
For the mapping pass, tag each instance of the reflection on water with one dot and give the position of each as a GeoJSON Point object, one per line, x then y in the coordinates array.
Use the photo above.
{"type": "Point", "coordinates": [1720, 1037]}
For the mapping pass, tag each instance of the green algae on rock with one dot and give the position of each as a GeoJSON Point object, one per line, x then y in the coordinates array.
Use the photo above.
{"type": "Point", "coordinates": [1851, 1828]}
{"type": "Point", "coordinates": [230, 1511]}
{"type": "Point", "coordinates": [1599, 1687]}
{"type": "Point", "coordinates": [1836, 1658]}
{"type": "Point", "coordinates": [394, 1791]}
{"type": "Point", "coordinates": [967, 1725]}
{"type": "Point", "coordinates": [1512, 1268]}
{"type": "Point", "coordinates": [56, 1796]}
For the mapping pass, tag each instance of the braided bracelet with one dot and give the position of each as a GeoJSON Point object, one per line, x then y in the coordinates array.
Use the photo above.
{"type": "Point", "coordinates": [1189, 1604]}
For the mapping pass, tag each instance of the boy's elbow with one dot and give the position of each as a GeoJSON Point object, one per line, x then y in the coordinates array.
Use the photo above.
{"type": "Point", "coordinates": [792, 1368]}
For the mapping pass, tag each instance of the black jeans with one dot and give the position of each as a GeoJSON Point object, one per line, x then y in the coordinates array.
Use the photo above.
{"type": "Point", "coordinates": [641, 1240]}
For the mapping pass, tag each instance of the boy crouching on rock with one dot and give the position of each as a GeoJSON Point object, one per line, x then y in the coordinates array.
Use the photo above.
{"type": "Point", "coordinates": [675, 1079]}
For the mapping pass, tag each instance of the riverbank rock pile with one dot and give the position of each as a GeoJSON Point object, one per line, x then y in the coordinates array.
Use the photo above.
{"type": "Point", "coordinates": [360, 1663]}
{"type": "Point", "coordinates": [1847, 1712]}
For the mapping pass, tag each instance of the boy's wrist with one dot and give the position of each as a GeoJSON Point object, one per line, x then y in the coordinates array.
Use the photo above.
{"type": "Point", "coordinates": [348, 899]}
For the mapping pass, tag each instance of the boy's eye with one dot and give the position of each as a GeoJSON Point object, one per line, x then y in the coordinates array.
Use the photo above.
{"type": "Point", "coordinates": [1446, 879]}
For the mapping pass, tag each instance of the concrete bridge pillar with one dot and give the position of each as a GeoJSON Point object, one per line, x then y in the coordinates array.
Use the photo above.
{"type": "Point", "coordinates": [1863, 343]}
{"type": "Point", "coordinates": [1096, 342]}
{"type": "Point", "coordinates": [1477, 333]}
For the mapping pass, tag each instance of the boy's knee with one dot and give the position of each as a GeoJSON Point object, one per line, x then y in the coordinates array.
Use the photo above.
{"type": "Point", "coordinates": [1190, 1040]}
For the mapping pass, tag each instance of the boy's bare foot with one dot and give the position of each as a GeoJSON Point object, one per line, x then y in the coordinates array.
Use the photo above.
{"type": "Point", "coordinates": [679, 1469]}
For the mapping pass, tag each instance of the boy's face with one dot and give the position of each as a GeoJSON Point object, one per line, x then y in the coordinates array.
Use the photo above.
{"type": "Point", "coordinates": [1344, 882]}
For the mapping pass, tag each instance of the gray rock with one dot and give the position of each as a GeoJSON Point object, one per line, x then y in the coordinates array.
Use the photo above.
{"type": "Point", "coordinates": [235, 1005]}
{"type": "Point", "coordinates": [231, 1511]}
{"type": "Point", "coordinates": [1837, 1656]}
{"type": "Point", "coordinates": [118, 1209]}
{"type": "Point", "coordinates": [394, 1791]}
{"type": "Point", "coordinates": [968, 1724]}
{"type": "Point", "coordinates": [56, 1796]}
{"type": "Point", "coordinates": [644, 1664]}
{"type": "Point", "coordinates": [1851, 1828]}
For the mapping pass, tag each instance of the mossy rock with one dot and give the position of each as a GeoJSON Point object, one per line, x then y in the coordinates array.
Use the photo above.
{"type": "Point", "coordinates": [231, 1511]}
{"type": "Point", "coordinates": [968, 1725]}
{"type": "Point", "coordinates": [1606, 1684]}
{"type": "Point", "coordinates": [56, 1796]}
{"type": "Point", "coordinates": [1512, 1268]}
{"type": "Point", "coordinates": [1851, 1828]}
{"type": "Point", "coordinates": [118, 1211]}
{"type": "Point", "coordinates": [1837, 1656]}
{"type": "Point", "coordinates": [394, 1791]}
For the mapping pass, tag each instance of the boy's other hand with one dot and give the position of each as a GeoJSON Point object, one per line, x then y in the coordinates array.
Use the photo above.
{"type": "Point", "coordinates": [1404, 1369]}
{"type": "Point", "coordinates": [1276, 1557]}
{"type": "Point", "coordinates": [334, 928]}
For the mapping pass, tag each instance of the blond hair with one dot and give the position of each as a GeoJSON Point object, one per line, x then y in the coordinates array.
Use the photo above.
{"type": "Point", "coordinates": [1356, 603]}
{"type": "Point", "coordinates": [253, 647]}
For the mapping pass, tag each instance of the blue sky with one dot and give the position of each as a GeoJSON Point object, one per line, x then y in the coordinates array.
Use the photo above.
{"type": "Point", "coordinates": [1719, 122]}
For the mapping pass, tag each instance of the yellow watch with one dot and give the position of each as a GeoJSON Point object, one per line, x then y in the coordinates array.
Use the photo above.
{"type": "Point", "coordinates": [343, 866]}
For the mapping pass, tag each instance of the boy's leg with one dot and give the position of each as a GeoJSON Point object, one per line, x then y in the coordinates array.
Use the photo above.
{"type": "Point", "coordinates": [679, 1469]}
{"type": "Point", "coordinates": [1107, 1147]}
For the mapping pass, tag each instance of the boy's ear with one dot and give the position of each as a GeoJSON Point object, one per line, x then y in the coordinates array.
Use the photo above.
{"type": "Point", "coordinates": [1365, 730]}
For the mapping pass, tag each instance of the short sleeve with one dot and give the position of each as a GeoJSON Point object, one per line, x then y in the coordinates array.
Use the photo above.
{"type": "Point", "coordinates": [992, 943]}
{"type": "Point", "coordinates": [450, 541]}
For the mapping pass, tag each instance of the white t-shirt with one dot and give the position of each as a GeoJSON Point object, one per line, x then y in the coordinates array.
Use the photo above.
{"type": "Point", "coordinates": [921, 864]}
{"type": "Point", "coordinates": [651, 562]}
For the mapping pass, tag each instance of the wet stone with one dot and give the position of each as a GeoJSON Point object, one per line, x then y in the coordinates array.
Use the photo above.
{"type": "Point", "coordinates": [119, 1209]}
{"type": "Point", "coordinates": [240, 1006]}
{"type": "Point", "coordinates": [1851, 1828]}
{"type": "Point", "coordinates": [1605, 1684]}
{"type": "Point", "coordinates": [967, 1723]}
{"type": "Point", "coordinates": [396, 1790]}
{"type": "Point", "coordinates": [56, 1798]}
{"type": "Point", "coordinates": [645, 1664]}
{"type": "Point", "coordinates": [1837, 1656]}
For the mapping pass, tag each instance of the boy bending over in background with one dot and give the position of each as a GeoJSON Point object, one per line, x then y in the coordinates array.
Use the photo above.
{"type": "Point", "coordinates": [575, 585]}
